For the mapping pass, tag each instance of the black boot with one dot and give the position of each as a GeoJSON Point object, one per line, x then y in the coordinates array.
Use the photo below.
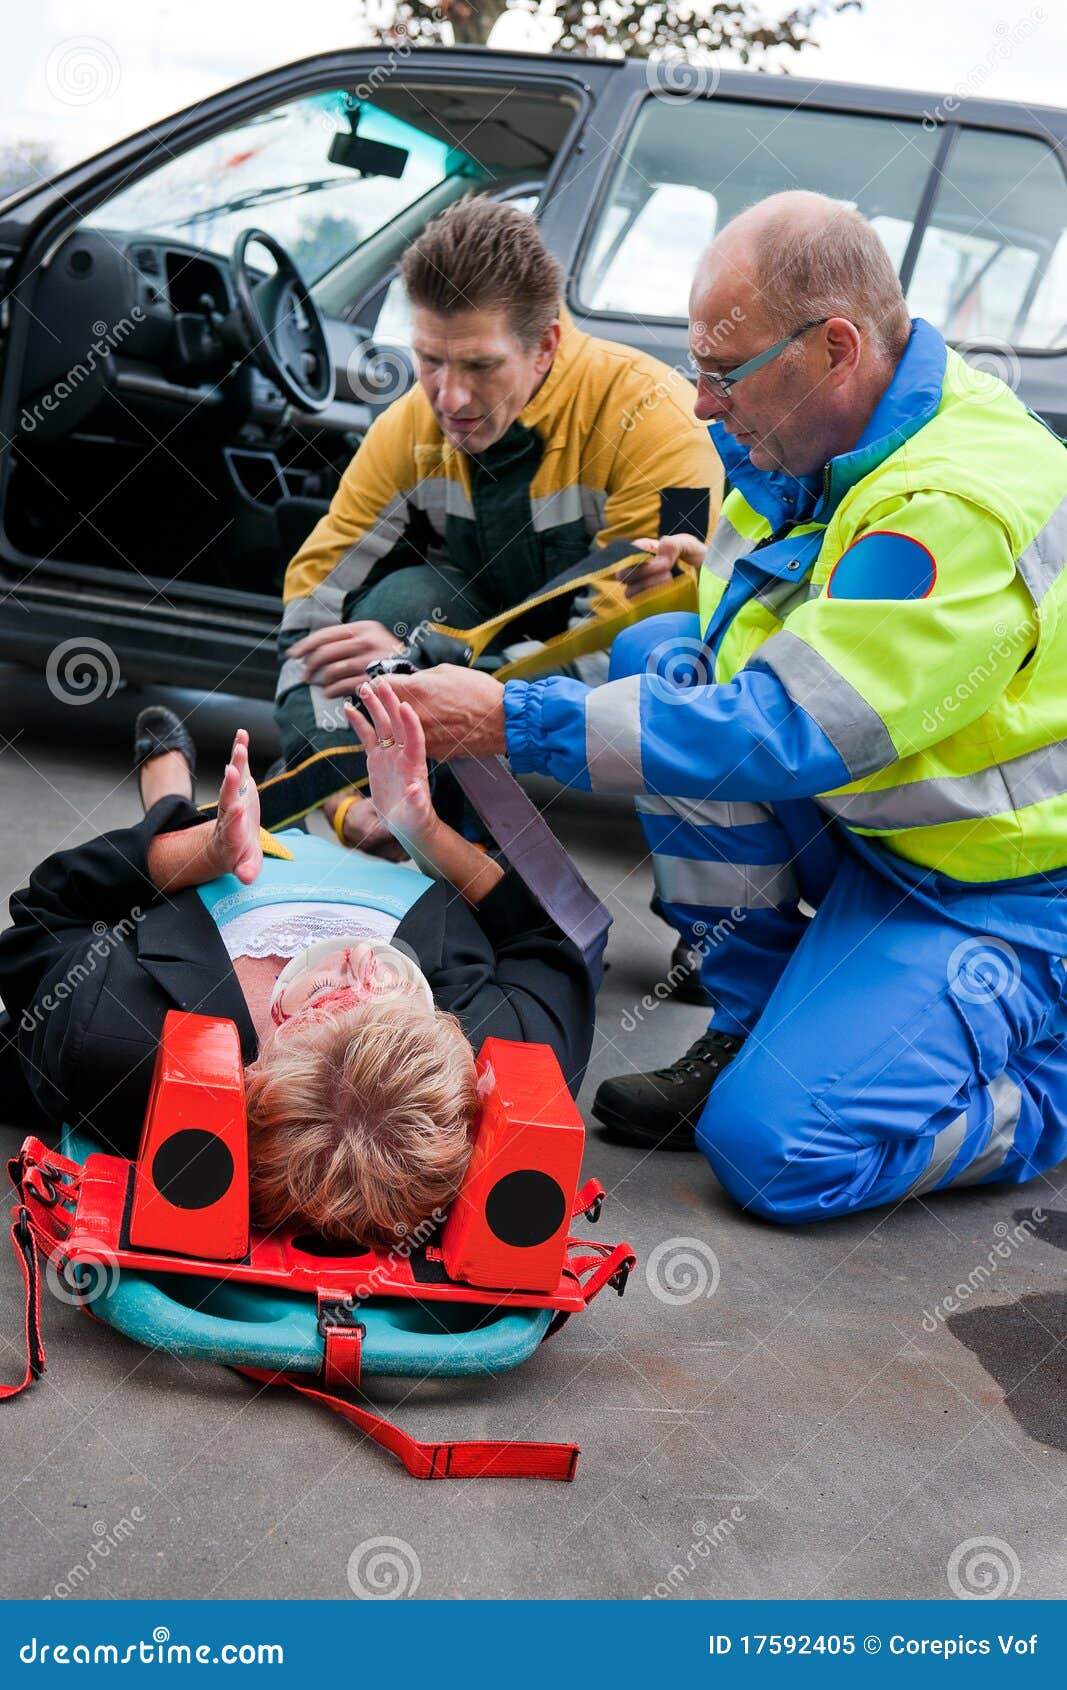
{"type": "Point", "coordinates": [660, 1110]}
{"type": "Point", "coordinates": [684, 975]}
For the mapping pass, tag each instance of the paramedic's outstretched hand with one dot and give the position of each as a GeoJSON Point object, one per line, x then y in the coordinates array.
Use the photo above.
{"type": "Point", "coordinates": [235, 847]}
{"type": "Point", "coordinates": [666, 553]}
{"type": "Point", "coordinates": [461, 710]}
{"type": "Point", "coordinates": [336, 658]}
{"type": "Point", "coordinates": [396, 763]}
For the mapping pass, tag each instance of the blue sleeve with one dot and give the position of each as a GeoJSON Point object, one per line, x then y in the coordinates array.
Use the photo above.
{"type": "Point", "coordinates": [744, 738]}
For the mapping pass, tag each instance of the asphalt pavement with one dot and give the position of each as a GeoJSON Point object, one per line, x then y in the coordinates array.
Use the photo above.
{"type": "Point", "coordinates": [875, 1407]}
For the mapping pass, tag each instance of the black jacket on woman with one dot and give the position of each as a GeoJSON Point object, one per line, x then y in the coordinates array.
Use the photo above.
{"type": "Point", "coordinates": [96, 956]}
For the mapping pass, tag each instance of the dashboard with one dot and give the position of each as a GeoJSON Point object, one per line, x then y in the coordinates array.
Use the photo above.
{"type": "Point", "coordinates": [150, 326]}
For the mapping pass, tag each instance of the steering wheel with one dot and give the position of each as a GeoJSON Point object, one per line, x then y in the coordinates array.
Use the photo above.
{"type": "Point", "coordinates": [282, 326]}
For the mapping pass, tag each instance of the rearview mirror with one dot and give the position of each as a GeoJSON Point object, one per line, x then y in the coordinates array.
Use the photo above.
{"type": "Point", "coordinates": [370, 158]}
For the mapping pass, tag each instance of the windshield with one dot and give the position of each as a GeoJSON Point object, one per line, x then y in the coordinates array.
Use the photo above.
{"type": "Point", "coordinates": [274, 173]}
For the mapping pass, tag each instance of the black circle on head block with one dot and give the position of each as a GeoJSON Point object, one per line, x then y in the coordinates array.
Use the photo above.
{"type": "Point", "coordinates": [192, 1169]}
{"type": "Point", "coordinates": [525, 1208]}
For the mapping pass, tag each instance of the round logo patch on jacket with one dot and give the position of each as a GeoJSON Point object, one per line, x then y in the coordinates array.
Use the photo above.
{"type": "Point", "coordinates": [883, 565]}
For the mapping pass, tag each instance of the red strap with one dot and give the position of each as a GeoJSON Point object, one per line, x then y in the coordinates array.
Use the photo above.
{"type": "Point", "coordinates": [25, 1248]}
{"type": "Point", "coordinates": [475, 1459]}
{"type": "Point", "coordinates": [590, 1196]}
{"type": "Point", "coordinates": [344, 1352]}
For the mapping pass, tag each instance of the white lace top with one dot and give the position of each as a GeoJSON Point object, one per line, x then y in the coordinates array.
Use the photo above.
{"type": "Point", "coordinates": [286, 929]}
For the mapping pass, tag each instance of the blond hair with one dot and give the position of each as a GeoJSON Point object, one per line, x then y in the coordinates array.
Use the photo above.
{"type": "Point", "coordinates": [359, 1123]}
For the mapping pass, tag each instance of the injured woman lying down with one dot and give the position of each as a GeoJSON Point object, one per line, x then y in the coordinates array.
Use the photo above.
{"type": "Point", "coordinates": [360, 988]}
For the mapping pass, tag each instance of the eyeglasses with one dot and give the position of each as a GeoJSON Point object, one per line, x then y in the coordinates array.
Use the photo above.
{"type": "Point", "coordinates": [730, 378]}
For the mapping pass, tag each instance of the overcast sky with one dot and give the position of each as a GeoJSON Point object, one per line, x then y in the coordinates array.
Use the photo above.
{"type": "Point", "coordinates": [79, 74]}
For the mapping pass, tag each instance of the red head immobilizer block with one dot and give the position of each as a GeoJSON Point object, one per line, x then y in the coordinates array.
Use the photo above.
{"type": "Point", "coordinates": [190, 1190]}
{"type": "Point", "coordinates": [508, 1226]}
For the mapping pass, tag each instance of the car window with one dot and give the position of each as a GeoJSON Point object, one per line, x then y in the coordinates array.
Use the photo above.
{"type": "Point", "coordinates": [993, 259]}
{"type": "Point", "coordinates": [687, 169]}
{"type": "Point", "coordinates": [275, 173]}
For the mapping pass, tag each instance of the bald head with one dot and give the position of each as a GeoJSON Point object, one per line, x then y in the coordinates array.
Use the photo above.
{"type": "Point", "coordinates": [797, 257]}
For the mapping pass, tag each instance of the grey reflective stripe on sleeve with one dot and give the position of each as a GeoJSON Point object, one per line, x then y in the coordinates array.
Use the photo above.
{"type": "Point", "coordinates": [329, 712]}
{"type": "Point", "coordinates": [1007, 1105]}
{"type": "Point", "coordinates": [719, 885]}
{"type": "Point", "coordinates": [594, 508]}
{"type": "Point", "coordinates": [613, 736]}
{"type": "Point", "coordinates": [725, 547]}
{"type": "Point", "coordinates": [706, 812]}
{"type": "Point", "coordinates": [1000, 790]}
{"type": "Point", "coordinates": [946, 1148]}
{"type": "Point", "coordinates": [853, 727]}
{"type": "Point", "coordinates": [325, 602]}
{"type": "Point", "coordinates": [1045, 556]}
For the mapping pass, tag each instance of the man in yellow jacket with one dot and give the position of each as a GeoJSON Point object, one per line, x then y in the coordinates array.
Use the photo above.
{"type": "Point", "coordinates": [525, 448]}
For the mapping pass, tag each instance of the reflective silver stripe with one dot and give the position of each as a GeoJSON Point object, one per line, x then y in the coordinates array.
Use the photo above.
{"type": "Point", "coordinates": [570, 504]}
{"type": "Point", "coordinates": [997, 791]}
{"type": "Point", "coordinates": [853, 727]}
{"type": "Point", "coordinates": [718, 885]}
{"type": "Point", "coordinates": [785, 596]}
{"type": "Point", "coordinates": [1046, 555]}
{"type": "Point", "coordinates": [705, 812]}
{"type": "Point", "coordinates": [613, 736]}
{"type": "Point", "coordinates": [1007, 1105]}
{"type": "Point", "coordinates": [438, 498]}
{"type": "Point", "coordinates": [725, 547]}
{"type": "Point", "coordinates": [291, 674]}
{"type": "Point", "coordinates": [325, 602]}
{"type": "Point", "coordinates": [946, 1148]}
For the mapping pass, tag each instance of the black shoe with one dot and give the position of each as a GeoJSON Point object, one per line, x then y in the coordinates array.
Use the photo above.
{"type": "Point", "coordinates": [157, 730]}
{"type": "Point", "coordinates": [684, 977]}
{"type": "Point", "coordinates": [660, 1110]}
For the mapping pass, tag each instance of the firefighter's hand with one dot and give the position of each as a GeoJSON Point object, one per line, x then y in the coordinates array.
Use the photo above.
{"type": "Point", "coordinates": [336, 658]}
{"type": "Point", "coordinates": [665, 554]}
{"type": "Point", "coordinates": [461, 710]}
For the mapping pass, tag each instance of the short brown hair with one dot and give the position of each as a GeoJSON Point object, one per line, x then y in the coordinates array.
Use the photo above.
{"type": "Point", "coordinates": [480, 255]}
{"type": "Point", "coordinates": [359, 1124]}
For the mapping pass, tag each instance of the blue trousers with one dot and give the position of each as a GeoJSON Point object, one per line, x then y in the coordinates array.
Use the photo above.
{"type": "Point", "coordinates": [898, 1042]}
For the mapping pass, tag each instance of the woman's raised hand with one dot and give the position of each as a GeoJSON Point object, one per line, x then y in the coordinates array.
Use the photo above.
{"type": "Point", "coordinates": [396, 762]}
{"type": "Point", "coordinates": [235, 844]}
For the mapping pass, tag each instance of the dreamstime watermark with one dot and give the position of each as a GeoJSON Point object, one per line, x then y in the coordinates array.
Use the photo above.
{"type": "Point", "coordinates": [1008, 36]}
{"type": "Point", "coordinates": [81, 70]}
{"type": "Point", "coordinates": [1009, 645]}
{"type": "Point", "coordinates": [982, 969]}
{"type": "Point", "coordinates": [705, 1539]}
{"type": "Point", "coordinates": [108, 337]}
{"type": "Point", "coordinates": [704, 940]}
{"type": "Point", "coordinates": [81, 670]}
{"type": "Point", "coordinates": [1009, 1239]}
{"type": "Point", "coordinates": [105, 1539]}
{"type": "Point", "coordinates": [682, 74]}
{"type": "Point", "coordinates": [705, 340]}
{"type": "Point", "coordinates": [379, 376]}
{"type": "Point", "coordinates": [158, 1650]}
{"type": "Point", "coordinates": [981, 1569]}
{"type": "Point", "coordinates": [90, 1278]}
{"type": "Point", "coordinates": [105, 941]}
{"type": "Point", "coordinates": [990, 365]}
{"type": "Point", "coordinates": [383, 1569]}
{"type": "Point", "coordinates": [682, 1270]}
